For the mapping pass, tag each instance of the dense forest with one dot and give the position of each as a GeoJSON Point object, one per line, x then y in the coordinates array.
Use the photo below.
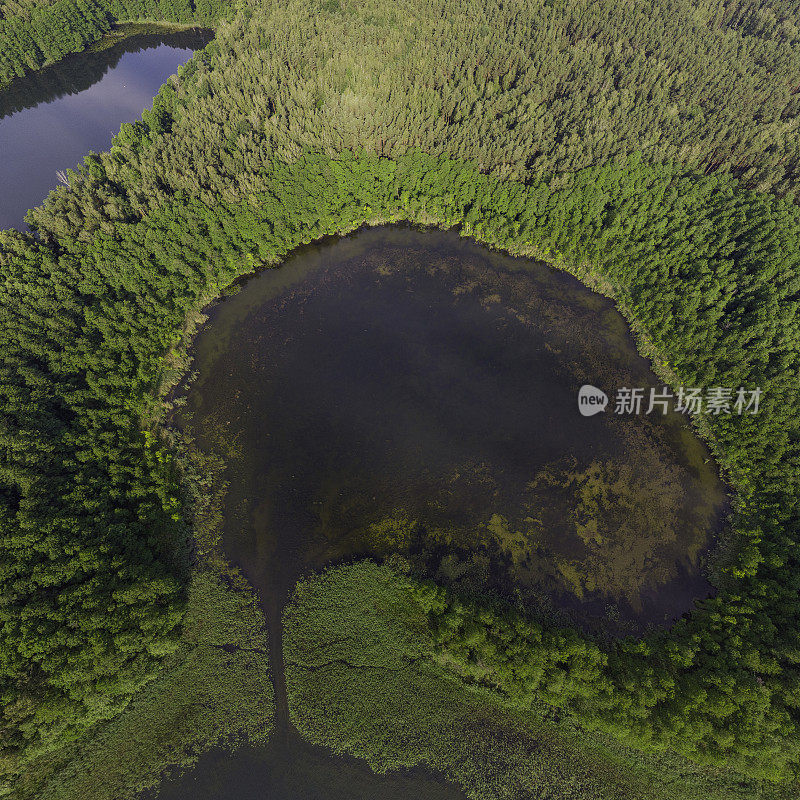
{"type": "Point", "coordinates": [613, 141]}
{"type": "Point", "coordinates": [557, 87]}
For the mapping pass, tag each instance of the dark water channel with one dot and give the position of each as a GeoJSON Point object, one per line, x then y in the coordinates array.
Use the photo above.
{"type": "Point", "coordinates": [408, 391]}
{"type": "Point", "coordinates": [51, 119]}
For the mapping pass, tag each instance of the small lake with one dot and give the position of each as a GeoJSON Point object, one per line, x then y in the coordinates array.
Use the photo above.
{"type": "Point", "coordinates": [409, 391]}
{"type": "Point", "coordinates": [51, 119]}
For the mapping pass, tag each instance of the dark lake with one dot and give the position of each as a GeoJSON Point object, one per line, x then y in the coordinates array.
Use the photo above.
{"type": "Point", "coordinates": [51, 119]}
{"type": "Point", "coordinates": [409, 391]}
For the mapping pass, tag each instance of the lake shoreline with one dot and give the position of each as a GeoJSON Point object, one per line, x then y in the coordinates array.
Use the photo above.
{"type": "Point", "coordinates": [180, 382]}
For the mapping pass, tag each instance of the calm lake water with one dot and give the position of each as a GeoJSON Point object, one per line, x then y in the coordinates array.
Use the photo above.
{"type": "Point", "coordinates": [405, 390]}
{"type": "Point", "coordinates": [51, 119]}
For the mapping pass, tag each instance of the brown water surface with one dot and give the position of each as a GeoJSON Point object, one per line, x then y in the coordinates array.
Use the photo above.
{"type": "Point", "coordinates": [410, 391]}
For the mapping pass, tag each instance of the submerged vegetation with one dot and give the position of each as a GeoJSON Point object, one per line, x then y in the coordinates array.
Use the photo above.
{"type": "Point", "coordinates": [609, 140]}
{"type": "Point", "coordinates": [471, 459]}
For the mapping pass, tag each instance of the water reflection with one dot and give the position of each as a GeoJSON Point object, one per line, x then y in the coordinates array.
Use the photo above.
{"type": "Point", "coordinates": [50, 119]}
{"type": "Point", "coordinates": [298, 772]}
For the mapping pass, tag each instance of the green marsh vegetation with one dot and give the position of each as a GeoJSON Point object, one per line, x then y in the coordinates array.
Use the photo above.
{"type": "Point", "coordinates": [215, 689]}
{"type": "Point", "coordinates": [300, 121]}
{"type": "Point", "coordinates": [388, 695]}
